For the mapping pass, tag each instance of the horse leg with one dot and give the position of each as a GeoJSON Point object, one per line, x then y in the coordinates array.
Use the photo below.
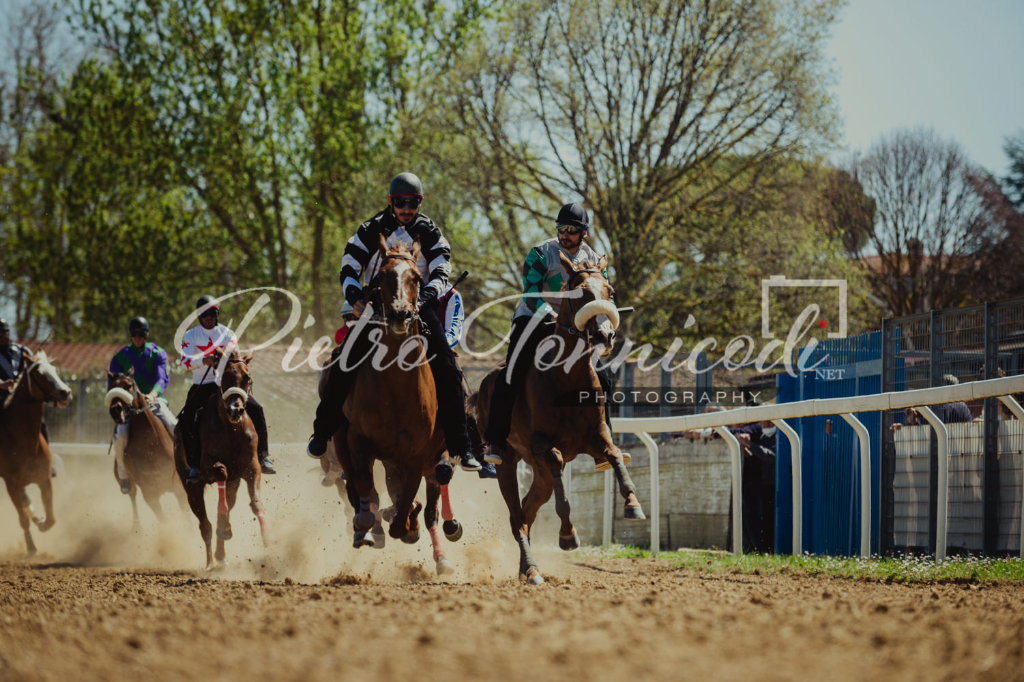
{"type": "Point", "coordinates": [567, 537]}
{"type": "Point", "coordinates": [509, 485]}
{"type": "Point", "coordinates": [400, 524]}
{"type": "Point", "coordinates": [538, 494]}
{"type": "Point", "coordinates": [132, 491]}
{"type": "Point", "coordinates": [18, 497]}
{"type": "Point", "coordinates": [45, 484]}
{"type": "Point", "coordinates": [452, 528]}
{"type": "Point", "coordinates": [602, 443]}
{"type": "Point", "coordinates": [378, 528]}
{"type": "Point", "coordinates": [198, 505]}
{"type": "Point", "coordinates": [152, 498]}
{"type": "Point", "coordinates": [430, 519]}
{"type": "Point", "coordinates": [364, 519]}
{"type": "Point", "coordinates": [256, 504]}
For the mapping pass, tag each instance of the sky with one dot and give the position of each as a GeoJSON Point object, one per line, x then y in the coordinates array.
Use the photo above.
{"type": "Point", "coordinates": [954, 65]}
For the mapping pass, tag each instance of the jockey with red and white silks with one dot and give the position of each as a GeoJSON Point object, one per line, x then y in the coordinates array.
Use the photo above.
{"type": "Point", "coordinates": [199, 347]}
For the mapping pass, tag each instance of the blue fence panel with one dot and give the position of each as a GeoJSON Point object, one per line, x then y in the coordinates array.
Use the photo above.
{"type": "Point", "coordinates": [831, 460]}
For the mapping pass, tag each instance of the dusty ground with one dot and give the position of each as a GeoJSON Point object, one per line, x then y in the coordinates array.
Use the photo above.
{"type": "Point", "coordinates": [105, 603]}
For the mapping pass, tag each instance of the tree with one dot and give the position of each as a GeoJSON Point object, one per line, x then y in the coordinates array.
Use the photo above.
{"type": "Point", "coordinates": [937, 225]}
{"type": "Point", "coordinates": [648, 111]}
{"type": "Point", "coordinates": [1014, 182]}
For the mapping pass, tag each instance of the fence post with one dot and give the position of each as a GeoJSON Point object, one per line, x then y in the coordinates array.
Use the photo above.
{"type": "Point", "coordinates": [628, 407]}
{"type": "Point", "coordinates": [663, 407]}
{"type": "Point", "coordinates": [80, 412]}
{"type": "Point", "coordinates": [990, 487]}
{"type": "Point", "coordinates": [934, 379]}
{"type": "Point", "coordinates": [704, 382]}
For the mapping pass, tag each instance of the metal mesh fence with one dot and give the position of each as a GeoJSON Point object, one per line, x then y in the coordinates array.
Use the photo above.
{"type": "Point", "coordinates": [985, 476]}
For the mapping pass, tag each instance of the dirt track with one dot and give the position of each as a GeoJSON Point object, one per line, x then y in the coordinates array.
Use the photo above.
{"type": "Point", "coordinates": [110, 604]}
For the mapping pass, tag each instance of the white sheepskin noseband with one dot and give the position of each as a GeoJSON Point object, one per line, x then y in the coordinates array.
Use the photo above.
{"type": "Point", "coordinates": [595, 308]}
{"type": "Point", "coordinates": [233, 391]}
{"type": "Point", "coordinates": [116, 393]}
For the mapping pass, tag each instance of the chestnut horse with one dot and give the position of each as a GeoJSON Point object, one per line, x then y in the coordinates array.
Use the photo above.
{"type": "Point", "coordinates": [149, 453]}
{"type": "Point", "coordinates": [547, 434]}
{"type": "Point", "coordinates": [24, 454]}
{"type": "Point", "coordinates": [391, 415]}
{"type": "Point", "coordinates": [229, 456]}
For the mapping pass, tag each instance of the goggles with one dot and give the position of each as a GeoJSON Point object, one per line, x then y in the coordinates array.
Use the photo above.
{"type": "Point", "coordinates": [137, 333]}
{"type": "Point", "coordinates": [569, 229]}
{"type": "Point", "coordinates": [212, 312]}
{"type": "Point", "coordinates": [406, 202]}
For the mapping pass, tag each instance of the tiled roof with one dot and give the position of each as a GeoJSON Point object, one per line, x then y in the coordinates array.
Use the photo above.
{"type": "Point", "coordinates": [78, 359]}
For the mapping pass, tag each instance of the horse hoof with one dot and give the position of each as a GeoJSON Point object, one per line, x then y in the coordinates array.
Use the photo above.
{"type": "Point", "coordinates": [387, 513]}
{"type": "Point", "coordinates": [46, 525]}
{"type": "Point", "coordinates": [569, 543]}
{"type": "Point", "coordinates": [379, 540]}
{"type": "Point", "coordinates": [452, 530]}
{"type": "Point", "coordinates": [224, 534]}
{"type": "Point", "coordinates": [362, 539]}
{"type": "Point", "coordinates": [364, 520]}
{"type": "Point", "coordinates": [412, 537]}
{"type": "Point", "coordinates": [635, 513]}
{"type": "Point", "coordinates": [444, 566]}
{"type": "Point", "coordinates": [533, 577]}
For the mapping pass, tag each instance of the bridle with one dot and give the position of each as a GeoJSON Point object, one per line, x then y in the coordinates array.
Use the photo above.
{"type": "Point", "coordinates": [382, 316]}
{"type": "Point", "coordinates": [234, 390]}
{"type": "Point", "coordinates": [27, 376]}
{"type": "Point", "coordinates": [129, 410]}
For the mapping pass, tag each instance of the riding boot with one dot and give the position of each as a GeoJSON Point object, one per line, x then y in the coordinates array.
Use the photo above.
{"type": "Point", "coordinates": [340, 378]}
{"type": "Point", "coordinates": [188, 423]}
{"type": "Point", "coordinates": [451, 399]}
{"type": "Point", "coordinates": [259, 420]}
{"type": "Point", "coordinates": [120, 446]}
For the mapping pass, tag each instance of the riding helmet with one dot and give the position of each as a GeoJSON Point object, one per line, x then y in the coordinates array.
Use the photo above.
{"type": "Point", "coordinates": [573, 214]}
{"type": "Point", "coordinates": [4, 327]}
{"type": "Point", "coordinates": [207, 300]}
{"type": "Point", "coordinates": [406, 184]}
{"type": "Point", "coordinates": [138, 323]}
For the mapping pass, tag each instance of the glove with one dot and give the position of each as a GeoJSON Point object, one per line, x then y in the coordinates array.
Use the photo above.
{"type": "Point", "coordinates": [428, 296]}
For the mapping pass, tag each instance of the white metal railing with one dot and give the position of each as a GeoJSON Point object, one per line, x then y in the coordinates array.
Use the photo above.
{"type": "Point", "coordinates": [845, 407]}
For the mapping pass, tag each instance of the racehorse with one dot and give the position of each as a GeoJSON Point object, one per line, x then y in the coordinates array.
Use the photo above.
{"type": "Point", "coordinates": [546, 432]}
{"type": "Point", "coordinates": [24, 454]}
{"type": "Point", "coordinates": [391, 416]}
{"type": "Point", "coordinates": [149, 453]}
{"type": "Point", "coordinates": [229, 456]}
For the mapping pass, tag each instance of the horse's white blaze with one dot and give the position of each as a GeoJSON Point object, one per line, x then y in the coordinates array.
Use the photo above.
{"type": "Point", "coordinates": [400, 300]}
{"type": "Point", "coordinates": [117, 393]}
{"type": "Point", "coordinates": [50, 372]}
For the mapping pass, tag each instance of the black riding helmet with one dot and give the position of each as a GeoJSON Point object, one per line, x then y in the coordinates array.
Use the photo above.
{"type": "Point", "coordinates": [4, 327]}
{"type": "Point", "coordinates": [207, 301]}
{"type": "Point", "coordinates": [573, 214]}
{"type": "Point", "coordinates": [138, 324]}
{"type": "Point", "coordinates": [406, 184]}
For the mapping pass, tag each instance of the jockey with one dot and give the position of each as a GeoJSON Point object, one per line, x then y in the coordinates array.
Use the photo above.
{"type": "Point", "coordinates": [11, 367]}
{"type": "Point", "coordinates": [148, 361]}
{"type": "Point", "coordinates": [401, 223]}
{"type": "Point", "coordinates": [543, 272]}
{"type": "Point", "coordinates": [198, 349]}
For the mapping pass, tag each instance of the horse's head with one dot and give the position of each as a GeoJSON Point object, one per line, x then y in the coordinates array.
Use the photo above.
{"type": "Point", "coordinates": [590, 308]}
{"type": "Point", "coordinates": [42, 384]}
{"type": "Point", "coordinates": [399, 285]}
{"type": "Point", "coordinates": [235, 385]}
{"type": "Point", "coordinates": [121, 396]}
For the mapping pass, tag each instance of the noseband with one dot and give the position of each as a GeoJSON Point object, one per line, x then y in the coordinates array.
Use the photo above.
{"type": "Point", "coordinates": [571, 329]}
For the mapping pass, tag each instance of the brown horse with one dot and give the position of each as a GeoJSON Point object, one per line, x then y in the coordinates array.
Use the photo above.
{"type": "Point", "coordinates": [547, 434]}
{"type": "Point", "coordinates": [24, 454]}
{"type": "Point", "coordinates": [228, 456]}
{"type": "Point", "coordinates": [149, 453]}
{"type": "Point", "coordinates": [391, 414]}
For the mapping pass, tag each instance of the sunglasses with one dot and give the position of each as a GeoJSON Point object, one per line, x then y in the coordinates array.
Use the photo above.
{"type": "Point", "coordinates": [213, 312]}
{"type": "Point", "coordinates": [569, 229]}
{"type": "Point", "coordinates": [138, 334]}
{"type": "Point", "coordinates": [406, 202]}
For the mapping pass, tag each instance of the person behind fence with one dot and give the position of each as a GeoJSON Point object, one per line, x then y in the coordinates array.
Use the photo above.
{"type": "Point", "coordinates": [400, 223]}
{"type": "Point", "coordinates": [950, 413]}
{"type": "Point", "coordinates": [11, 367]}
{"type": "Point", "coordinates": [758, 443]}
{"type": "Point", "coordinates": [543, 273]}
{"type": "Point", "coordinates": [148, 362]}
{"type": "Point", "coordinates": [199, 346]}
